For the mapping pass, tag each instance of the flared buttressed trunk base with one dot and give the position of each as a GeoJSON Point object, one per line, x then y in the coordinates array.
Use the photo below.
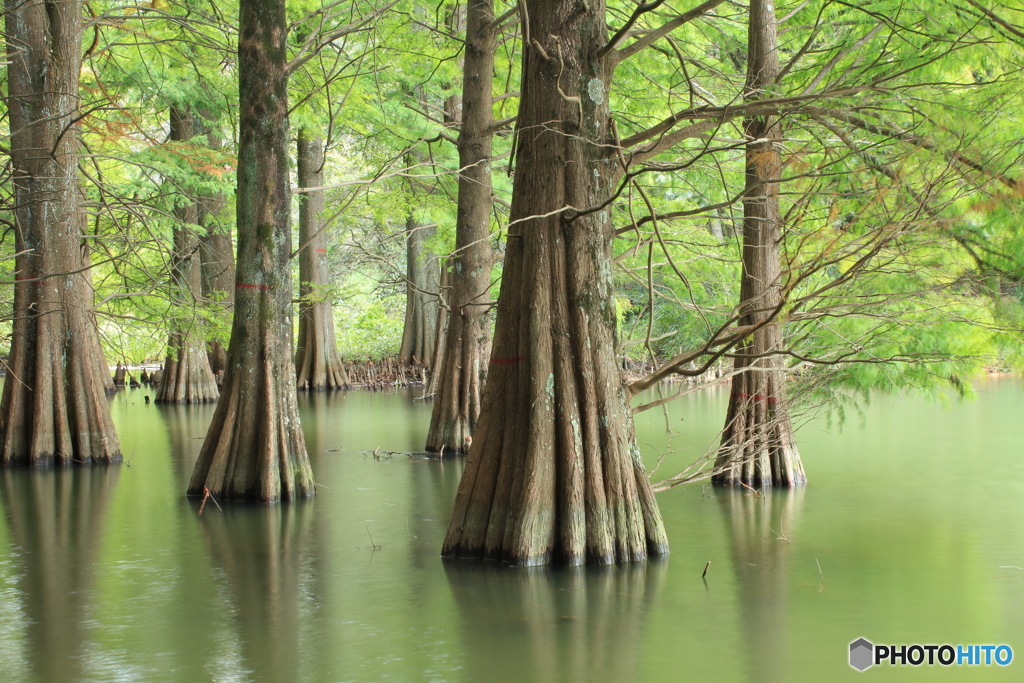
{"type": "Point", "coordinates": [554, 473]}
{"type": "Point", "coordinates": [757, 448]}
{"type": "Point", "coordinates": [318, 365]}
{"type": "Point", "coordinates": [187, 378]}
{"type": "Point", "coordinates": [757, 443]}
{"type": "Point", "coordinates": [459, 382]}
{"type": "Point", "coordinates": [460, 377]}
{"type": "Point", "coordinates": [54, 407]}
{"type": "Point", "coordinates": [255, 448]}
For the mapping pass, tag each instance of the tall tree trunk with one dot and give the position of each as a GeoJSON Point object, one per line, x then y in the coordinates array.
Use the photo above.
{"type": "Point", "coordinates": [554, 470]}
{"type": "Point", "coordinates": [187, 376]}
{"type": "Point", "coordinates": [757, 446]}
{"type": "Point", "coordinates": [255, 448]}
{"type": "Point", "coordinates": [92, 328]}
{"type": "Point", "coordinates": [422, 273]}
{"type": "Point", "coordinates": [90, 298]}
{"type": "Point", "coordinates": [422, 283]}
{"type": "Point", "coordinates": [317, 362]}
{"type": "Point", "coordinates": [54, 408]}
{"type": "Point", "coordinates": [460, 377]}
{"type": "Point", "coordinates": [218, 257]}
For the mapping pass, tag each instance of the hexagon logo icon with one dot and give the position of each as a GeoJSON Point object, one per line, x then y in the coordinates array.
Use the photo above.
{"type": "Point", "coordinates": [862, 654]}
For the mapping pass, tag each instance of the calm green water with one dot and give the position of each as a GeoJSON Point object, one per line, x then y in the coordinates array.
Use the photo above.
{"type": "Point", "coordinates": [110, 574]}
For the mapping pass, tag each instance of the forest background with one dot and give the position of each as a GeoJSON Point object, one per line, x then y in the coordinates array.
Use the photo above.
{"type": "Point", "coordinates": [902, 253]}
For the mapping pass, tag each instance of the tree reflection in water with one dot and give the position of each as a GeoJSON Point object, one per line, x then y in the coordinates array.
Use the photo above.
{"type": "Point", "coordinates": [554, 624]}
{"type": "Point", "coordinates": [56, 520]}
{"type": "Point", "coordinates": [186, 425]}
{"type": "Point", "coordinates": [265, 554]}
{"type": "Point", "coordinates": [761, 527]}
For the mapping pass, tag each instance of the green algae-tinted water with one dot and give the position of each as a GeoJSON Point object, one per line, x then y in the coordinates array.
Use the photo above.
{"type": "Point", "coordinates": [902, 536]}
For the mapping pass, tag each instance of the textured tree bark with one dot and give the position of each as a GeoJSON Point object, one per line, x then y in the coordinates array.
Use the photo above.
{"type": "Point", "coordinates": [92, 327]}
{"type": "Point", "coordinates": [187, 375]}
{"type": "Point", "coordinates": [460, 377]}
{"type": "Point", "coordinates": [554, 472]}
{"type": "Point", "coordinates": [317, 363]}
{"type": "Point", "coordinates": [255, 448]}
{"type": "Point", "coordinates": [54, 408]}
{"type": "Point", "coordinates": [757, 447]}
{"type": "Point", "coordinates": [422, 272]}
{"type": "Point", "coordinates": [218, 257]}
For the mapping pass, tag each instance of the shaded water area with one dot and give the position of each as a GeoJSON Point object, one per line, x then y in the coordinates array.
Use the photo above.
{"type": "Point", "coordinates": [911, 511]}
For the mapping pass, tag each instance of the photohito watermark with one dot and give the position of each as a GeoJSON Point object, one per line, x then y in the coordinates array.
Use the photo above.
{"type": "Point", "coordinates": [864, 654]}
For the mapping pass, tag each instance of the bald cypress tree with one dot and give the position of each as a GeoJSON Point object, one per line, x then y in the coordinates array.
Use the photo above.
{"type": "Point", "coordinates": [757, 447]}
{"type": "Point", "coordinates": [255, 448]}
{"type": "Point", "coordinates": [459, 379]}
{"type": "Point", "coordinates": [54, 408]}
{"type": "Point", "coordinates": [554, 472]}
{"type": "Point", "coordinates": [317, 362]}
{"type": "Point", "coordinates": [187, 376]}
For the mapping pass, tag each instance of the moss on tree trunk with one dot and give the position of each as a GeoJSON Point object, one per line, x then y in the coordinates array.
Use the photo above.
{"type": "Point", "coordinates": [554, 472]}
{"type": "Point", "coordinates": [255, 447]}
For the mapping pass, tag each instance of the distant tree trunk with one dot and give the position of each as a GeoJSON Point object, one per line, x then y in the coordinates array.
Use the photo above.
{"type": "Point", "coordinates": [255, 448]}
{"type": "Point", "coordinates": [187, 375]}
{"type": "Point", "coordinates": [554, 470]}
{"type": "Point", "coordinates": [218, 282]}
{"type": "Point", "coordinates": [54, 408]}
{"type": "Point", "coordinates": [452, 119]}
{"type": "Point", "coordinates": [317, 362]}
{"type": "Point", "coordinates": [103, 370]}
{"type": "Point", "coordinates": [460, 377]}
{"type": "Point", "coordinates": [444, 289]}
{"type": "Point", "coordinates": [218, 256]}
{"type": "Point", "coordinates": [757, 446]}
{"type": "Point", "coordinates": [422, 276]}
